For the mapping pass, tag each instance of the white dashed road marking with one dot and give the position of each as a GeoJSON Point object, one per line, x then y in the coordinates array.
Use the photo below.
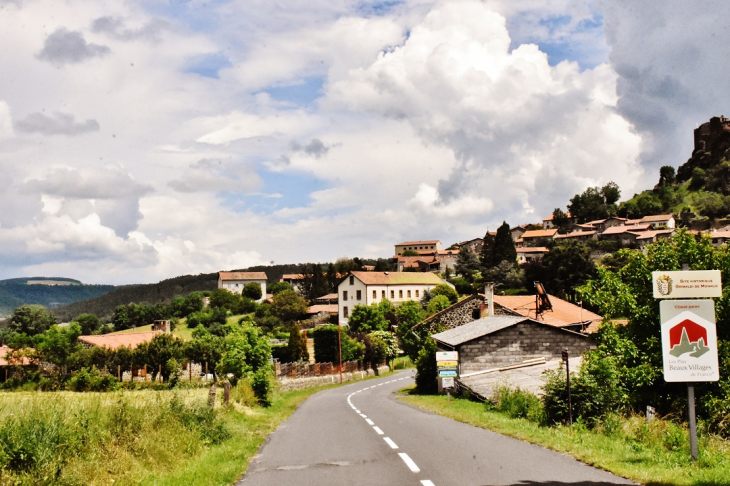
{"type": "Point", "coordinates": [427, 482]}
{"type": "Point", "coordinates": [390, 442]}
{"type": "Point", "coordinates": [377, 429]}
{"type": "Point", "coordinates": [370, 422]}
{"type": "Point", "coordinates": [409, 462]}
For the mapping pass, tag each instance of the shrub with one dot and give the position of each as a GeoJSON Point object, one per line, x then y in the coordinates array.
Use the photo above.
{"type": "Point", "coordinates": [262, 385]}
{"type": "Point", "coordinates": [91, 379]}
{"type": "Point", "coordinates": [518, 404]}
{"type": "Point", "coordinates": [427, 372]}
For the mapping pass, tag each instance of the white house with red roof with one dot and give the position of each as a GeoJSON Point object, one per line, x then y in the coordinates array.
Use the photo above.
{"type": "Point", "coordinates": [365, 288]}
{"type": "Point", "coordinates": [235, 281]}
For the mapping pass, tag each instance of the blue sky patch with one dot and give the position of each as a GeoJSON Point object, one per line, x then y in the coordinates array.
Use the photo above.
{"type": "Point", "coordinates": [281, 190]}
{"type": "Point", "coordinates": [207, 65]}
{"type": "Point", "coordinates": [198, 17]}
{"type": "Point", "coordinates": [302, 93]}
{"type": "Point", "coordinates": [378, 8]}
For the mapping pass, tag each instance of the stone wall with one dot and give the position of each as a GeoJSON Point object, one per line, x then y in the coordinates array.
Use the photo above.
{"type": "Point", "coordinates": [517, 343]}
{"type": "Point", "coordinates": [461, 313]}
{"type": "Point", "coordinates": [286, 384]}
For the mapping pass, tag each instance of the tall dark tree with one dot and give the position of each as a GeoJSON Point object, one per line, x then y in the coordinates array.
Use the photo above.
{"type": "Point", "coordinates": [332, 278]}
{"type": "Point", "coordinates": [564, 268]}
{"type": "Point", "coordinates": [314, 284]}
{"type": "Point", "coordinates": [467, 264]}
{"type": "Point", "coordinates": [31, 320]}
{"type": "Point", "coordinates": [561, 220]}
{"type": "Point", "coordinates": [485, 257]}
{"type": "Point", "coordinates": [504, 246]}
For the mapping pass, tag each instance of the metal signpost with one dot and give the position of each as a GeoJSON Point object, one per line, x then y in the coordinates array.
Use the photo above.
{"type": "Point", "coordinates": [447, 363]}
{"type": "Point", "coordinates": [689, 334]}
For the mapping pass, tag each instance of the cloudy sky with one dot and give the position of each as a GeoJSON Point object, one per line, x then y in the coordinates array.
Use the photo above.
{"type": "Point", "coordinates": [141, 140]}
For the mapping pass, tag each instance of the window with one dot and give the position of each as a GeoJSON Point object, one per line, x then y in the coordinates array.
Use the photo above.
{"type": "Point", "coordinates": [409, 294]}
{"type": "Point", "coordinates": [359, 295]}
{"type": "Point", "coordinates": [344, 295]}
{"type": "Point", "coordinates": [352, 280]}
{"type": "Point", "coordinates": [416, 293]}
{"type": "Point", "coordinates": [392, 294]}
{"type": "Point", "coordinates": [400, 294]}
{"type": "Point", "coordinates": [345, 311]}
{"type": "Point", "coordinates": [375, 294]}
{"type": "Point", "coordinates": [383, 294]}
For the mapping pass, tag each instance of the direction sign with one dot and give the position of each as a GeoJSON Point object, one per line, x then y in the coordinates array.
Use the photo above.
{"type": "Point", "coordinates": [689, 340]}
{"type": "Point", "coordinates": [447, 364]}
{"type": "Point", "coordinates": [447, 382]}
{"type": "Point", "coordinates": [447, 355]}
{"type": "Point", "coordinates": [447, 372]}
{"type": "Point", "coordinates": [686, 283]}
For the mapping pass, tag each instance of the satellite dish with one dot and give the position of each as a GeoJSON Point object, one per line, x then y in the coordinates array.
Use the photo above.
{"type": "Point", "coordinates": [542, 301]}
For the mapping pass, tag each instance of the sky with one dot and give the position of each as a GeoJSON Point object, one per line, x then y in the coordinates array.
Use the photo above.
{"type": "Point", "coordinates": [142, 140]}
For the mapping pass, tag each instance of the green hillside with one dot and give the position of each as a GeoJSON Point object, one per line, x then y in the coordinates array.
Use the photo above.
{"type": "Point", "coordinates": [50, 292]}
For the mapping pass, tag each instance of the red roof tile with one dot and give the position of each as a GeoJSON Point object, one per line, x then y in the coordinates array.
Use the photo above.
{"type": "Point", "coordinates": [398, 278]}
{"type": "Point", "coordinates": [114, 341]}
{"type": "Point", "coordinates": [242, 275]}
{"type": "Point", "coordinates": [539, 233]}
{"type": "Point", "coordinates": [563, 314]}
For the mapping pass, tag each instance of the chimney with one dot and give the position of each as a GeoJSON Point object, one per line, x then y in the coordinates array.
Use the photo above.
{"type": "Point", "coordinates": [489, 297]}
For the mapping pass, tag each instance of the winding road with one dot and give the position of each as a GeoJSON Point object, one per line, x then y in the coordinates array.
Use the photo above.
{"type": "Point", "coordinates": [359, 434]}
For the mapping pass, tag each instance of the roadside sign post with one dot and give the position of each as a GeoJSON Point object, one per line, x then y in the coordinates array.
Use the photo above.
{"type": "Point", "coordinates": [447, 364]}
{"type": "Point", "coordinates": [688, 331]}
{"type": "Point", "coordinates": [567, 376]}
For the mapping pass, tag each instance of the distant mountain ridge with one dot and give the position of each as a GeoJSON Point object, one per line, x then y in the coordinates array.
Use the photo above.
{"type": "Point", "coordinates": [48, 291]}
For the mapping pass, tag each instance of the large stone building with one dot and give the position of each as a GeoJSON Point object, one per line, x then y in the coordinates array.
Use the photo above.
{"type": "Point", "coordinates": [365, 288]}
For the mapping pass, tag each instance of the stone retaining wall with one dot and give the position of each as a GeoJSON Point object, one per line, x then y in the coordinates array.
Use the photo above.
{"type": "Point", "coordinates": [287, 384]}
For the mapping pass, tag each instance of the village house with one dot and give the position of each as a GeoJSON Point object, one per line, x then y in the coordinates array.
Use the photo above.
{"type": "Point", "coordinates": [294, 280]}
{"type": "Point", "coordinates": [365, 288]}
{"type": "Point", "coordinates": [528, 254]}
{"type": "Point", "coordinates": [547, 223]}
{"type": "Point", "coordinates": [538, 237]}
{"type": "Point", "coordinates": [660, 221]}
{"type": "Point", "coordinates": [581, 236]}
{"type": "Point", "coordinates": [235, 281]}
{"type": "Point", "coordinates": [429, 246]}
{"type": "Point", "coordinates": [475, 244]}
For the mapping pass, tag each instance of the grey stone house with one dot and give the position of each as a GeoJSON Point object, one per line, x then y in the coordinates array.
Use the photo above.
{"type": "Point", "coordinates": [498, 341]}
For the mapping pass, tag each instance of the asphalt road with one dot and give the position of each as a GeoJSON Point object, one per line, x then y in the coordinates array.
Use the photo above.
{"type": "Point", "coordinates": [360, 435]}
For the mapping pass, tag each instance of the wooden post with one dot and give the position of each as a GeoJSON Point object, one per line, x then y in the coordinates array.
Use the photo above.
{"type": "Point", "coordinates": [211, 396]}
{"type": "Point", "coordinates": [119, 372]}
{"type": "Point", "coordinates": [145, 373]}
{"type": "Point", "coordinates": [226, 392]}
{"type": "Point", "coordinates": [206, 370]}
{"type": "Point", "coordinates": [190, 369]}
{"type": "Point", "coordinates": [159, 373]}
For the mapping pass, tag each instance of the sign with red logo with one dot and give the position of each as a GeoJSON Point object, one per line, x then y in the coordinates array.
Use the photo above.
{"type": "Point", "coordinates": [689, 340]}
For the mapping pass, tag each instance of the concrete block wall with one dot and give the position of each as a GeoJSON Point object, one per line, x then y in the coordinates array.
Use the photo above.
{"type": "Point", "coordinates": [517, 343]}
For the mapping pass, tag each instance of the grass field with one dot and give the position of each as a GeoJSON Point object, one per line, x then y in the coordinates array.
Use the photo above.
{"type": "Point", "coordinates": [181, 330]}
{"type": "Point", "coordinates": [655, 454]}
{"type": "Point", "coordinates": [140, 437]}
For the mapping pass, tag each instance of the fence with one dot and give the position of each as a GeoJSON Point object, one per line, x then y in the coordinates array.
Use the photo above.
{"type": "Point", "coordinates": [297, 370]}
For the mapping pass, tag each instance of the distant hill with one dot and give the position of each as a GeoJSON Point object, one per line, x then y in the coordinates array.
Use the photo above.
{"type": "Point", "coordinates": [164, 291]}
{"type": "Point", "coordinates": [161, 292]}
{"type": "Point", "coordinates": [50, 292]}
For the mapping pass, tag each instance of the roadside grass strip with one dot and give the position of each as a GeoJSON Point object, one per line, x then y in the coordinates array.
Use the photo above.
{"type": "Point", "coordinates": [653, 454]}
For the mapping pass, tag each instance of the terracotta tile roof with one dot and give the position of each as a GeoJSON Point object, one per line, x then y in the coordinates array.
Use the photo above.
{"type": "Point", "coordinates": [329, 308]}
{"type": "Point", "coordinates": [617, 230]}
{"type": "Point", "coordinates": [398, 278]}
{"type": "Point", "coordinates": [447, 252]}
{"type": "Point", "coordinates": [532, 249]}
{"type": "Point", "coordinates": [540, 233]}
{"type": "Point", "coordinates": [114, 341]}
{"type": "Point", "coordinates": [4, 350]}
{"type": "Point", "coordinates": [328, 297]}
{"type": "Point", "coordinates": [551, 217]}
{"type": "Point", "coordinates": [629, 222]}
{"type": "Point", "coordinates": [651, 234]}
{"type": "Point", "coordinates": [242, 275]}
{"type": "Point", "coordinates": [563, 314]}
{"type": "Point", "coordinates": [368, 268]}
{"type": "Point", "coordinates": [656, 218]}
{"type": "Point", "coordinates": [720, 234]}
{"type": "Point", "coordinates": [425, 242]}
{"type": "Point", "coordinates": [576, 234]}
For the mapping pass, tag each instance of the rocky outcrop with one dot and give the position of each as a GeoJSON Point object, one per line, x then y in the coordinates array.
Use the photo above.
{"type": "Point", "coordinates": [712, 146]}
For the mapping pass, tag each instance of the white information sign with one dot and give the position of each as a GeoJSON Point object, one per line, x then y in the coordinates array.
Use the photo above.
{"type": "Point", "coordinates": [686, 284]}
{"type": "Point", "coordinates": [447, 356]}
{"type": "Point", "coordinates": [689, 340]}
{"type": "Point", "coordinates": [447, 382]}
